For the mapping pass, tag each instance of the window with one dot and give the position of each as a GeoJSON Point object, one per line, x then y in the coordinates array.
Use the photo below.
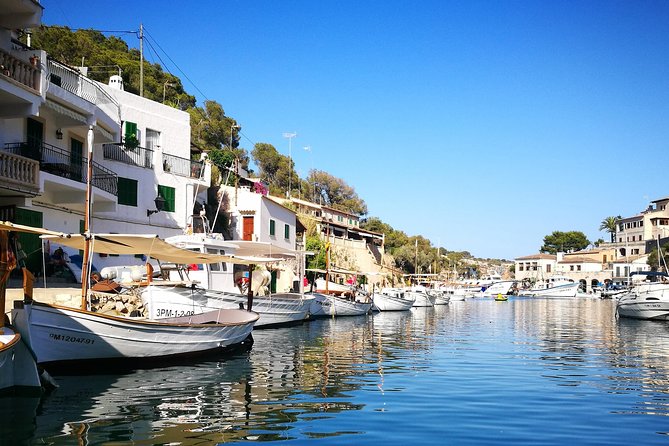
{"type": "Point", "coordinates": [571, 267]}
{"type": "Point", "coordinates": [127, 191]}
{"type": "Point", "coordinates": [152, 139]}
{"type": "Point", "coordinates": [286, 232]}
{"type": "Point", "coordinates": [272, 228]}
{"type": "Point", "coordinates": [548, 268]}
{"type": "Point", "coordinates": [578, 267]}
{"type": "Point", "coordinates": [168, 194]}
{"type": "Point", "coordinates": [520, 267]}
{"type": "Point", "coordinates": [216, 266]}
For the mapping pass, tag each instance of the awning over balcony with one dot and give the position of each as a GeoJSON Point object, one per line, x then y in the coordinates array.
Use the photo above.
{"type": "Point", "coordinates": [70, 118]}
{"type": "Point", "coordinates": [67, 117]}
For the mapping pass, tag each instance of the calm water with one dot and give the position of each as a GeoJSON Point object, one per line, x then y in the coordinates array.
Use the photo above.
{"type": "Point", "coordinates": [526, 371]}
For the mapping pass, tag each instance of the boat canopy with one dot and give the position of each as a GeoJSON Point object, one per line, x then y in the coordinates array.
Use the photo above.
{"type": "Point", "coordinates": [152, 246]}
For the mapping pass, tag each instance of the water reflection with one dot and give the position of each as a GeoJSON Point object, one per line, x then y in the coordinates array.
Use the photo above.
{"type": "Point", "coordinates": [361, 378]}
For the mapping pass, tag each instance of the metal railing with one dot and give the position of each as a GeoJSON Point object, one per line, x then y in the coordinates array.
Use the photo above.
{"type": "Point", "coordinates": [66, 164]}
{"type": "Point", "coordinates": [20, 71]}
{"type": "Point", "coordinates": [182, 166]}
{"type": "Point", "coordinates": [136, 156]}
{"type": "Point", "coordinates": [74, 82]}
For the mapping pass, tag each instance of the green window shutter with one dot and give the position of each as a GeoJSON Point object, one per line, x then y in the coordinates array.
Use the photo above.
{"type": "Point", "coordinates": [31, 244]}
{"type": "Point", "coordinates": [168, 193]}
{"type": "Point", "coordinates": [127, 191]}
{"type": "Point", "coordinates": [272, 228]}
{"type": "Point", "coordinates": [286, 232]}
{"type": "Point", "coordinates": [130, 129]}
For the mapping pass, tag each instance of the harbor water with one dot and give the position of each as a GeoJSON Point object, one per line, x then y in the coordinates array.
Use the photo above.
{"type": "Point", "coordinates": [525, 371]}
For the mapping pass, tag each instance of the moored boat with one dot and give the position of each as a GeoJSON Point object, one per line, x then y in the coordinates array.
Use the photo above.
{"type": "Point", "coordinates": [391, 299]}
{"type": "Point", "coordinates": [648, 298]}
{"type": "Point", "coordinates": [324, 305]}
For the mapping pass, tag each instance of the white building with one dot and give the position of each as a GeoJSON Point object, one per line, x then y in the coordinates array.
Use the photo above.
{"type": "Point", "coordinates": [46, 109]}
{"type": "Point", "coordinates": [535, 266]}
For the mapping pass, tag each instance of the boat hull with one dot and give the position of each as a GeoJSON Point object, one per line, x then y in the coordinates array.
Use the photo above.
{"type": "Point", "coordinates": [387, 302]}
{"type": "Point", "coordinates": [274, 310]}
{"type": "Point", "coordinates": [421, 299]}
{"type": "Point", "coordinates": [18, 370]}
{"type": "Point", "coordinates": [324, 305]}
{"type": "Point", "coordinates": [647, 301]}
{"type": "Point", "coordinates": [560, 291]}
{"type": "Point", "coordinates": [60, 334]}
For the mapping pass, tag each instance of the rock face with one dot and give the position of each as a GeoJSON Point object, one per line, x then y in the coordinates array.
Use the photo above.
{"type": "Point", "coordinates": [118, 304]}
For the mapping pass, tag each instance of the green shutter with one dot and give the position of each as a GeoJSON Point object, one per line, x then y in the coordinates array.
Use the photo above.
{"type": "Point", "coordinates": [168, 193]}
{"type": "Point", "coordinates": [286, 232]}
{"type": "Point", "coordinates": [127, 191]}
{"type": "Point", "coordinates": [272, 229]}
{"type": "Point", "coordinates": [130, 129]}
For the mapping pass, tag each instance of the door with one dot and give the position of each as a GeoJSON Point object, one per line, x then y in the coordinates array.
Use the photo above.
{"type": "Point", "coordinates": [34, 138]}
{"type": "Point", "coordinates": [76, 160]}
{"type": "Point", "coordinates": [248, 229]}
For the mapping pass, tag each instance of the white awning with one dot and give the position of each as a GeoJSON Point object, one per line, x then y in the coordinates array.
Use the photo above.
{"type": "Point", "coordinates": [75, 116]}
{"type": "Point", "coordinates": [9, 226]}
{"type": "Point", "coordinates": [152, 246]}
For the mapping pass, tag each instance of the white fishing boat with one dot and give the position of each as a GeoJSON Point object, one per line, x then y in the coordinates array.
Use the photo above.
{"type": "Point", "coordinates": [18, 368]}
{"type": "Point", "coordinates": [18, 371]}
{"type": "Point", "coordinates": [392, 299]}
{"type": "Point", "coordinates": [167, 300]}
{"type": "Point", "coordinates": [556, 286]}
{"type": "Point", "coordinates": [493, 289]}
{"type": "Point", "coordinates": [648, 298]}
{"type": "Point", "coordinates": [221, 285]}
{"type": "Point", "coordinates": [420, 296]}
{"type": "Point", "coordinates": [440, 297]}
{"type": "Point", "coordinates": [324, 305]}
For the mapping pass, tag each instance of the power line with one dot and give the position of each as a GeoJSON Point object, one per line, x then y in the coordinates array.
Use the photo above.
{"type": "Point", "coordinates": [177, 66]}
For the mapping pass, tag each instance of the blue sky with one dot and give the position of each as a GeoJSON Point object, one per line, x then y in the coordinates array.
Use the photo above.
{"type": "Point", "coordinates": [481, 125]}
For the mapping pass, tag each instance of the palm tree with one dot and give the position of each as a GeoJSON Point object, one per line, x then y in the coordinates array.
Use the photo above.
{"type": "Point", "coordinates": [610, 225]}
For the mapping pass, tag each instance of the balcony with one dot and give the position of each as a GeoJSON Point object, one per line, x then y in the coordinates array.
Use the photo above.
{"type": "Point", "coordinates": [72, 81]}
{"type": "Point", "coordinates": [182, 166]}
{"type": "Point", "coordinates": [65, 164]}
{"type": "Point", "coordinates": [135, 156]}
{"type": "Point", "coordinates": [19, 174]}
{"type": "Point", "coordinates": [20, 71]}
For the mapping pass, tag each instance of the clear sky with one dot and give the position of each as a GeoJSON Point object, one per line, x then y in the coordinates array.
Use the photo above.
{"type": "Point", "coordinates": [481, 125]}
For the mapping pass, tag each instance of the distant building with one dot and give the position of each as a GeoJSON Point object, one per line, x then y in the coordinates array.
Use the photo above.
{"type": "Point", "coordinates": [637, 234]}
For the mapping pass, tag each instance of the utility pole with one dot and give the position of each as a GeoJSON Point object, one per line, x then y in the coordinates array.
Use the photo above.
{"type": "Point", "coordinates": [141, 61]}
{"type": "Point", "coordinates": [290, 137]}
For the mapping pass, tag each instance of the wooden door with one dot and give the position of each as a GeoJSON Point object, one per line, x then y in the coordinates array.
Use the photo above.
{"type": "Point", "coordinates": [248, 229]}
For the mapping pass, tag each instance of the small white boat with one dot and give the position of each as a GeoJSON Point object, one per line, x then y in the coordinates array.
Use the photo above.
{"type": "Point", "coordinates": [324, 305]}
{"type": "Point", "coordinates": [440, 297]}
{"type": "Point", "coordinates": [169, 300]}
{"type": "Point", "coordinates": [420, 296]}
{"type": "Point", "coordinates": [647, 299]}
{"type": "Point", "coordinates": [556, 286]}
{"type": "Point", "coordinates": [221, 280]}
{"type": "Point", "coordinates": [18, 371]}
{"type": "Point", "coordinates": [493, 289]}
{"type": "Point", "coordinates": [391, 299]}
{"type": "Point", "coordinates": [60, 335]}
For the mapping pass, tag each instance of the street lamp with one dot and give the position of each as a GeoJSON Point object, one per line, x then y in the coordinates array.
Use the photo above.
{"type": "Point", "coordinates": [290, 136]}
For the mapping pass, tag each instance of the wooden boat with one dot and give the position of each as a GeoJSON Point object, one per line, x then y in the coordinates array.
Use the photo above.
{"type": "Point", "coordinates": [391, 299]}
{"type": "Point", "coordinates": [18, 368]}
{"type": "Point", "coordinates": [324, 305]}
{"type": "Point", "coordinates": [218, 284]}
{"type": "Point", "coordinates": [61, 335]}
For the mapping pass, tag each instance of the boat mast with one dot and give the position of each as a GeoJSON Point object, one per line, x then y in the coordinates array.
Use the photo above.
{"type": "Point", "coordinates": [87, 221]}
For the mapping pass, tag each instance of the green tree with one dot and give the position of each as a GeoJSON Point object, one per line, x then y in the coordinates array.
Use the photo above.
{"type": "Point", "coordinates": [274, 168]}
{"type": "Point", "coordinates": [610, 225]}
{"type": "Point", "coordinates": [653, 258]}
{"type": "Point", "coordinates": [564, 242]}
{"type": "Point", "coordinates": [334, 192]}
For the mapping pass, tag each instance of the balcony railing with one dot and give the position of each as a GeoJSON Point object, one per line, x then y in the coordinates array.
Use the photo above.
{"type": "Point", "coordinates": [72, 81]}
{"type": "Point", "coordinates": [66, 164]}
{"type": "Point", "coordinates": [137, 156]}
{"type": "Point", "coordinates": [19, 173]}
{"type": "Point", "coordinates": [182, 166]}
{"type": "Point", "coordinates": [20, 71]}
